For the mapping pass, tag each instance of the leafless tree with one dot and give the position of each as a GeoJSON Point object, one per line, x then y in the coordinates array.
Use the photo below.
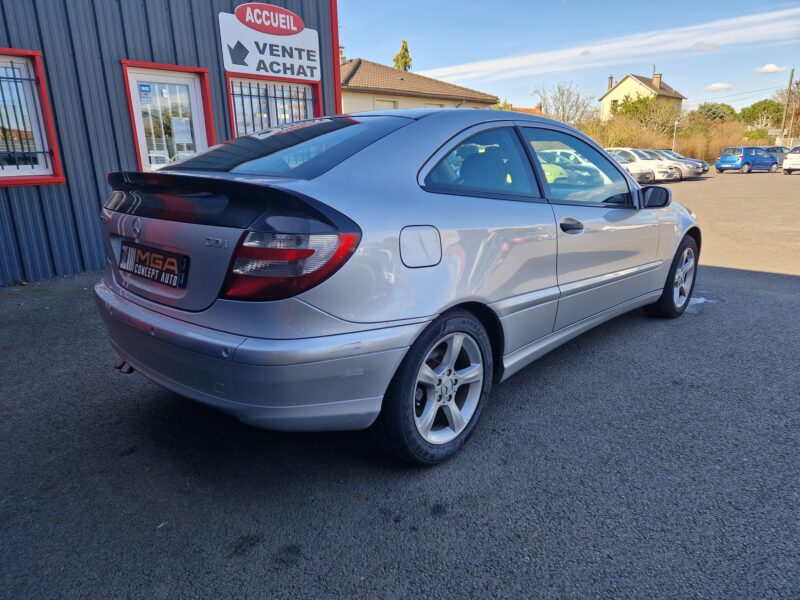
{"type": "Point", "coordinates": [566, 102]}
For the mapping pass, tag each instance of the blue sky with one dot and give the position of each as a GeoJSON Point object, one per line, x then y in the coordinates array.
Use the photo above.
{"type": "Point", "coordinates": [709, 51]}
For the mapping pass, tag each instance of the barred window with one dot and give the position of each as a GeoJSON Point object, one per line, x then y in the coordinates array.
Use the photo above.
{"type": "Point", "coordinates": [260, 104]}
{"type": "Point", "coordinates": [24, 146]}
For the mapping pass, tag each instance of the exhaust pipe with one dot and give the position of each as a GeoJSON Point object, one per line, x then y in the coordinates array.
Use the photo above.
{"type": "Point", "coordinates": [123, 367]}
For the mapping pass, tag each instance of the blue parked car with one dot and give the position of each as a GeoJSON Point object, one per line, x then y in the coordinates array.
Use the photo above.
{"type": "Point", "coordinates": [746, 159]}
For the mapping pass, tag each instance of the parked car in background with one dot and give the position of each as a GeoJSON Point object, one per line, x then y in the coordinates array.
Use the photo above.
{"type": "Point", "coordinates": [662, 170]}
{"type": "Point", "coordinates": [274, 278]}
{"type": "Point", "coordinates": [745, 159]}
{"type": "Point", "coordinates": [791, 161]}
{"type": "Point", "coordinates": [676, 156]}
{"type": "Point", "coordinates": [577, 169]}
{"type": "Point", "coordinates": [683, 169]}
{"type": "Point", "coordinates": [779, 152]}
{"type": "Point", "coordinates": [642, 175]}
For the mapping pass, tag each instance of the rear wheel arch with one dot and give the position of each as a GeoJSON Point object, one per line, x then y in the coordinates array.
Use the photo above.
{"type": "Point", "coordinates": [494, 328]}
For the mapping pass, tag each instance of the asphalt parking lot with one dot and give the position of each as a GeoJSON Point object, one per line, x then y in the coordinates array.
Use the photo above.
{"type": "Point", "coordinates": [647, 458]}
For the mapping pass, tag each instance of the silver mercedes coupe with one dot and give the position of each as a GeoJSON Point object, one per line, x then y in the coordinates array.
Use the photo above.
{"type": "Point", "coordinates": [381, 270]}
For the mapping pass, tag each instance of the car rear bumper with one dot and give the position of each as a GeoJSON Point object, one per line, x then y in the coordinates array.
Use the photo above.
{"type": "Point", "coordinates": [311, 384]}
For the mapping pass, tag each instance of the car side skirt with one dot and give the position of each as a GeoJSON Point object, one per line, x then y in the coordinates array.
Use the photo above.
{"type": "Point", "coordinates": [522, 357]}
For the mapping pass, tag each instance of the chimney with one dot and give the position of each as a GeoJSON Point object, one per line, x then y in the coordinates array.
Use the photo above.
{"type": "Point", "coordinates": [657, 80]}
{"type": "Point", "coordinates": [538, 108]}
{"type": "Point", "coordinates": [342, 59]}
{"type": "Point", "coordinates": [610, 81]}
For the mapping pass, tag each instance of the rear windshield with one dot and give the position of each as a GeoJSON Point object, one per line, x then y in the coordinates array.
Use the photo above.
{"type": "Point", "coordinates": [795, 150]}
{"type": "Point", "coordinates": [731, 151]}
{"type": "Point", "coordinates": [302, 150]}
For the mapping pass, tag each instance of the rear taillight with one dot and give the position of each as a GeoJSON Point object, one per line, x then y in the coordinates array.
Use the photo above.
{"type": "Point", "coordinates": [272, 266]}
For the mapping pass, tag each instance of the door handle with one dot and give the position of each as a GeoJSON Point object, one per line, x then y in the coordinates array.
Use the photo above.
{"type": "Point", "coordinates": [570, 225]}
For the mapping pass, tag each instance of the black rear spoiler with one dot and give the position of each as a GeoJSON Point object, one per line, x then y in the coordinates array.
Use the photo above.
{"type": "Point", "coordinates": [220, 201]}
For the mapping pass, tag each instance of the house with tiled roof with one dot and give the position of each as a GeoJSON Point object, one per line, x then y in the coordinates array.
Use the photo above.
{"type": "Point", "coordinates": [367, 85]}
{"type": "Point", "coordinates": [637, 86]}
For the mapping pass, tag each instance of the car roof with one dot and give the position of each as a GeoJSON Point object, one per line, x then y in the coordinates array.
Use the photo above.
{"type": "Point", "coordinates": [465, 116]}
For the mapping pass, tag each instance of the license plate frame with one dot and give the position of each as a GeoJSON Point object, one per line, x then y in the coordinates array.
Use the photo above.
{"type": "Point", "coordinates": [170, 269]}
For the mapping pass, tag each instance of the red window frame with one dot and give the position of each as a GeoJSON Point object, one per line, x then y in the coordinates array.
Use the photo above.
{"type": "Point", "coordinates": [316, 89]}
{"type": "Point", "coordinates": [205, 94]}
{"type": "Point", "coordinates": [57, 176]}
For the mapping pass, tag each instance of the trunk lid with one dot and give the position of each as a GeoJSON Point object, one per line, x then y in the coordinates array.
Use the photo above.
{"type": "Point", "coordinates": [171, 237]}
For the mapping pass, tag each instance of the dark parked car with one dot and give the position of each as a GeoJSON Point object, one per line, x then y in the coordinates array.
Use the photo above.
{"type": "Point", "coordinates": [779, 152]}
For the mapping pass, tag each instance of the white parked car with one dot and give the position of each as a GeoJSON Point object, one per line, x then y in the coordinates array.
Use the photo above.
{"type": "Point", "coordinates": [791, 162]}
{"type": "Point", "coordinates": [661, 169]}
{"type": "Point", "coordinates": [642, 175]}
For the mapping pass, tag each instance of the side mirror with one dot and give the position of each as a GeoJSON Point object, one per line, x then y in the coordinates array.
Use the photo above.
{"type": "Point", "coordinates": [656, 196]}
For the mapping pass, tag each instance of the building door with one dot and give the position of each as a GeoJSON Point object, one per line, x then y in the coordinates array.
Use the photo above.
{"type": "Point", "coordinates": [167, 116]}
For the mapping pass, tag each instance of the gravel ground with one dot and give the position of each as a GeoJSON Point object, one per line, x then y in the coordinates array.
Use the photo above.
{"type": "Point", "coordinates": [647, 458]}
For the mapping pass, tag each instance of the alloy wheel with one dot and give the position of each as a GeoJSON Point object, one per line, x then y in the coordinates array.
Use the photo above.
{"type": "Point", "coordinates": [684, 277]}
{"type": "Point", "coordinates": [448, 389]}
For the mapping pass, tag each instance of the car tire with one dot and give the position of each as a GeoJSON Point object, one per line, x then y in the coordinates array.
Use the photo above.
{"type": "Point", "coordinates": [746, 168]}
{"type": "Point", "coordinates": [720, 170]}
{"type": "Point", "coordinates": [773, 168]}
{"type": "Point", "coordinates": [673, 301]}
{"type": "Point", "coordinates": [787, 171]}
{"type": "Point", "coordinates": [680, 173]}
{"type": "Point", "coordinates": [416, 423]}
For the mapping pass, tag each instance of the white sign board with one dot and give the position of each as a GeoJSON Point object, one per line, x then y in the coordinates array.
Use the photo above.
{"type": "Point", "coordinates": [247, 50]}
{"type": "Point", "coordinates": [181, 133]}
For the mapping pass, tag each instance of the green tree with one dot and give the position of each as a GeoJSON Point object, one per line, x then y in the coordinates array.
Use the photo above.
{"type": "Point", "coordinates": [504, 105]}
{"type": "Point", "coordinates": [655, 114]}
{"type": "Point", "coordinates": [714, 111]}
{"type": "Point", "coordinates": [764, 113]}
{"type": "Point", "coordinates": [402, 60]}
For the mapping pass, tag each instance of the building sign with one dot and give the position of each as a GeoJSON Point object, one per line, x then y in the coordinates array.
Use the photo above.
{"type": "Point", "coordinates": [262, 39]}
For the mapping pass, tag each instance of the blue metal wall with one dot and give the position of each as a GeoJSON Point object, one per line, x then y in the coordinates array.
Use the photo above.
{"type": "Point", "coordinates": [52, 230]}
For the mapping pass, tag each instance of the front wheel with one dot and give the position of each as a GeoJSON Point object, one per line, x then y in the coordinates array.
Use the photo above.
{"type": "Point", "coordinates": [745, 168]}
{"type": "Point", "coordinates": [773, 168]}
{"type": "Point", "coordinates": [680, 282]}
{"type": "Point", "coordinates": [787, 171]}
{"type": "Point", "coordinates": [679, 173]}
{"type": "Point", "coordinates": [720, 170]}
{"type": "Point", "coordinates": [436, 397]}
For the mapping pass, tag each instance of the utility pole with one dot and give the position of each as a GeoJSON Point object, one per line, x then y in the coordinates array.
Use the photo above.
{"type": "Point", "coordinates": [788, 100]}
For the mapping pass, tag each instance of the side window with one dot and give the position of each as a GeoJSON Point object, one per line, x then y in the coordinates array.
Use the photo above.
{"type": "Point", "coordinates": [594, 180]}
{"type": "Point", "coordinates": [749, 151]}
{"type": "Point", "coordinates": [629, 155]}
{"type": "Point", "coordinates": [489, 162]}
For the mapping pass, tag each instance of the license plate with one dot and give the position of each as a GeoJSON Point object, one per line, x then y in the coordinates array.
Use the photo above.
{"type": "Point", "coordinates": [167, 268]}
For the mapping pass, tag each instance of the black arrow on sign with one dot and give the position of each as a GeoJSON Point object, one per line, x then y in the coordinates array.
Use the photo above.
{"type": "Point", "coordinates": [238, 53]}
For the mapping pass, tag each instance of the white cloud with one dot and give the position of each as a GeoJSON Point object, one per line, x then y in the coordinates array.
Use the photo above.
{"type": "Point", "coordinates": [718, 87]}
{"type": "Point", "coordinates": [763, 27]}
{"type": "Point", "coordinates": [704, 47]}
{"type": "Point", "coordinates": [770, 68]}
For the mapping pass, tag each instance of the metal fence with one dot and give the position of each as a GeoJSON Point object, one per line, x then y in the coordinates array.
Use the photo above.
{"type": "Point", "coordinates": [259, 105]}
{"type": "Point", "coordinates": [23, 145]}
